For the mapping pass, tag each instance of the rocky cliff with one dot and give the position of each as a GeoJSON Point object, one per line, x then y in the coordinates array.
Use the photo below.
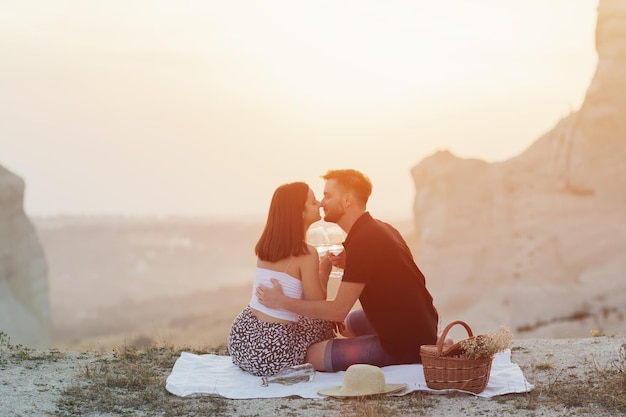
{"type": "Point", "coordinates": [24, 305]}
{"type": "Point", "coordinates": [538, 241]}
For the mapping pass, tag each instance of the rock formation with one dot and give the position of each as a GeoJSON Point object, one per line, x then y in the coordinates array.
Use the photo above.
{"type": "Point", "coordinates": [24, 305]}
{"type": "Point", "coordinates": [537, 242]}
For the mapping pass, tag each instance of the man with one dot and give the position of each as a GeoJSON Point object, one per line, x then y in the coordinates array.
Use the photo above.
{"type": "Point", "coordinates": [397, 315]}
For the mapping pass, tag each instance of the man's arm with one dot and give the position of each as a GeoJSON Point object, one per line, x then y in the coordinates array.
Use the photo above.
{"type": "Point", "coordinates": [333, 310]}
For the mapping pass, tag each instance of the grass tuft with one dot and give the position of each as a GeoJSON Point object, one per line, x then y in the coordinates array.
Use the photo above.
{"type": "Point", "coordinates": [601, 388]}
{"type": "Point", "coordinates": [131, 380]}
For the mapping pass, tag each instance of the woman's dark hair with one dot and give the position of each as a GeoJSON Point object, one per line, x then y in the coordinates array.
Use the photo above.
{"type": "Point", "coordinates": [283, 235]}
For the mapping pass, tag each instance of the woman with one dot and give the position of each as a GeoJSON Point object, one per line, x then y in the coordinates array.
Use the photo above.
{"type": "Point", "coordinates": [262, 340]}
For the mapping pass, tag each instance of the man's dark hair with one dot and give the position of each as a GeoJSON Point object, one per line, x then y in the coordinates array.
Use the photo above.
{"type": "Point", "coordinates": [351, 179]}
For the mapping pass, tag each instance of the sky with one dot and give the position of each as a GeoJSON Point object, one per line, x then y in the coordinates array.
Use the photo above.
{"type": "Point", "coordinates": [203, 107]}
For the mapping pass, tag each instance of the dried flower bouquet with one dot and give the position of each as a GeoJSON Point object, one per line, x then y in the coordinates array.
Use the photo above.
{"type": "Point", "coordinates": [486, 345]}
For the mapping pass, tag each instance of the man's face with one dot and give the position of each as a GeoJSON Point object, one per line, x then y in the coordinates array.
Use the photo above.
{"type": "Point", "coordinates": [332, 203]}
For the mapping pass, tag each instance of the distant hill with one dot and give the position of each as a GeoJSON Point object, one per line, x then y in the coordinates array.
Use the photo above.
{"type": "Point", "coordinates": [113, 278]}
{"type": "Point", "coordinates": [537, 241]}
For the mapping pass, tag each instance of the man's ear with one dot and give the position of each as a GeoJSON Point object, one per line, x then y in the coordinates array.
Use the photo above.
{"type": "Point", "coordinates": [348, 199]}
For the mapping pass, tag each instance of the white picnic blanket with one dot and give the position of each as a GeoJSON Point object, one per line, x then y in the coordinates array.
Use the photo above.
{"type": "Point", "coordinates": [210, 374]}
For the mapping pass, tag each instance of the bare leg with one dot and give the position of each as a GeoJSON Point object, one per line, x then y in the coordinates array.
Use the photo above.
{"type": "Point", "coordinates": [315, 355]}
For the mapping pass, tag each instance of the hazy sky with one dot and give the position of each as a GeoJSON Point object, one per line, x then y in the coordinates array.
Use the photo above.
{"type": "Point", "coordinates": [147, 107]}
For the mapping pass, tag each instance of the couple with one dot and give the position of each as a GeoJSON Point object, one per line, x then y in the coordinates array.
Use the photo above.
{"type": "Point", "coordinates": [289, 321]}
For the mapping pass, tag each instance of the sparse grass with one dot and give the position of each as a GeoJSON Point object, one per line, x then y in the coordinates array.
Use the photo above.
{"type": "Point", "coordinates": [601, 388]}
{"type": "Point", "coordinates": [414, 404]}
{"type": "Point", "coordinates": [22, 353]}
{"type": "Point", "coordinates": [604, 387]}
{"type": "Point", "coordinates": [130, 381]}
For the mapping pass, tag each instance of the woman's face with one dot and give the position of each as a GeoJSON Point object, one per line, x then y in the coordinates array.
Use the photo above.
{"type": "Point", "coordinates": [311, 212]}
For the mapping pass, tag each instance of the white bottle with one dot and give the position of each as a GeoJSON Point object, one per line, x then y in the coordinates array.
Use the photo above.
{"type": "Point", "coordinates": [291, 375]}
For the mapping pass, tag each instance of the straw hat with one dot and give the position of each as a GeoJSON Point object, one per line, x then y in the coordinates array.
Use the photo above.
{"type": "Point", "coordinates": [362, 380]}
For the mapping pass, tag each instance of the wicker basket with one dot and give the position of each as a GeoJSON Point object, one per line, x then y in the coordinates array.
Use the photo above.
{"type": "Point", "coordinates": [445, 369]}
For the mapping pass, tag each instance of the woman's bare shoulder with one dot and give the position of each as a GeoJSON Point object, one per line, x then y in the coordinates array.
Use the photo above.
{"type": "Point", "coordinates": [312, 250]}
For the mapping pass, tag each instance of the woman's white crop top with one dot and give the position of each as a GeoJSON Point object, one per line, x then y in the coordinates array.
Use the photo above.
{"type": "Point", "coordinates": [292, 287]}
